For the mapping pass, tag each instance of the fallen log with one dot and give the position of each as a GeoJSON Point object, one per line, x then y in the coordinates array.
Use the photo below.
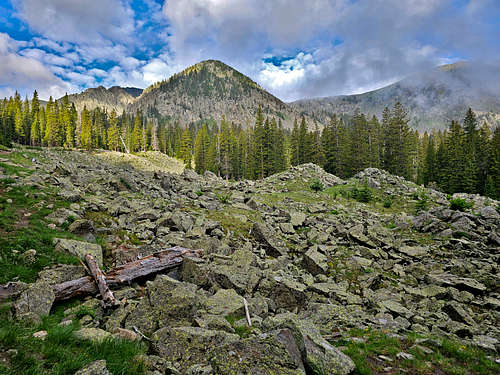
{"type": "Point", "coordinates": [107, 295]}
{"type": "Point", "coordinates": [144, 267]}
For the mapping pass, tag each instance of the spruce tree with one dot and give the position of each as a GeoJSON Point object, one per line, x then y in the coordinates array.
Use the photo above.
{"type": "Point", "coordinates": [201, 146]}
{"type": "Point", "coordinates": [186, 149]}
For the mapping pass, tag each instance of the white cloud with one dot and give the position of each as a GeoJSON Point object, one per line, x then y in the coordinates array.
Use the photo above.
{"type": "Point", "coordinates": [48, 58]}
{"type": "Point", "coordinates": [87, 21]}
{"type": "Point", "coordinates": [26, 74]}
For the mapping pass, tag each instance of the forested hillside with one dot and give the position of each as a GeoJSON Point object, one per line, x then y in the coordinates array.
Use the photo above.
{"type": "Point", "coordinates": [464, 158]}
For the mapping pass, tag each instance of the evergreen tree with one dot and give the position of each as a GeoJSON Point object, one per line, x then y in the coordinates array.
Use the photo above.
{"type": "Point", "coordinates": [201, 146]}
{"type": "Point", "coordinates": [186, 148]}
{"type": "Point", "coordinates": [86, 126]}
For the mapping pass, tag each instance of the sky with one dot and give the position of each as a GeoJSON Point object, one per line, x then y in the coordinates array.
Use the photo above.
{"type": "Point", "coordinates": [293, 48]}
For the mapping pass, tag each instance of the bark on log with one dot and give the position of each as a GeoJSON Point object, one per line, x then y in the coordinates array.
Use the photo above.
{"type": "Point", "coordinates": [107, 295]}
{"type": "Point", "coordinates": [147, 266]}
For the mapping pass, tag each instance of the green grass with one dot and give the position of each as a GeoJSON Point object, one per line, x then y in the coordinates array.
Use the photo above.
{"type": "Point", "coordinates": [449, 357]}
{"type": "Point", "coordinates": [61, 353]}
{"type": "Point", "coordinates": [19, 233]}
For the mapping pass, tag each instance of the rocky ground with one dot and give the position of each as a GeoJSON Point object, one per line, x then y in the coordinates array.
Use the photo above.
{"type": "Point", "coordinates": [370, 275]}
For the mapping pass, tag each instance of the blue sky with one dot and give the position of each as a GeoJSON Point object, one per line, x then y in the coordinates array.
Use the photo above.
{"type": "Point", "coordinates": [293, 48]}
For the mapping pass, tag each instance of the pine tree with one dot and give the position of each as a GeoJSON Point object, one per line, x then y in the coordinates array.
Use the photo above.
{"type": "Point", "coordinates": [225, 148]}
{"type": "Point", "coordinates": [430, 165]}
{"type": "Point", "coordinates": [86, 126]}
{"type": "Point", "coordinates": [186, 148]}
{"type": "Point", "coordinates": [113, 132]}
{"type": "Point", "coordinates": [35, 131]}
{"type": "Point", "coordinates": [294, 145]}
{"type": "Point", "coordinates": [137, 136]}
{"type": "Point", "coordinates": [201, 146]}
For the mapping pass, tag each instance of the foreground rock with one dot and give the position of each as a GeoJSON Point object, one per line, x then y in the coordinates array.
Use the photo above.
{"type": "Point", "coordinates": [95, 368]}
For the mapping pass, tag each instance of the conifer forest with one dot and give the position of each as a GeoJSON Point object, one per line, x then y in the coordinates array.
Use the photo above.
{"type": "Point", "coordinates": [463, 158]}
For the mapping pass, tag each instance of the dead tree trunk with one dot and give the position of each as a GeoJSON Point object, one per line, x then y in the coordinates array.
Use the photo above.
{"type": "Point", "coordinates": [107, 295]}
{"type": "Point", "coordinates": [147, 266]}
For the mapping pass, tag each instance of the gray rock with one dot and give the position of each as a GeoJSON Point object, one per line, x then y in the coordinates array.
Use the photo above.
{"type": "Point", "coordinates": [317, 354]}
{"type": "Point", "coordinates": [94, 368]}
{"type": "Point", "coordinates": [35, 302]}
{"type": "Point", "coordinates": [84, 229]}
{"type": "Point", "coordinates": [396, 308]}
{"type": "Point", "coordinates": [457, 313]}
{"type": "Point", "coordinates": [92, 334]}
{"type": "Point", "coordinates": [461, 283]}
{"type": "Point", "coordinates": [486, 342]}
{"type": "Point", "coordinates": [225, 302]}
{"type": "Point", "coordinates": [79, 249]}
{"type": "Point", "coordinates": [414, 251]}
{"type": "Point", "coordinates": [315, 262]}
{"type": "Point", "coordinates": [297, 218]}
{"type": "Point", "coordinates": [189, 345]}
{"type": "Point", "coordinates": [271, 353]}
{"type": "Point", "coordinates": [269, 239]}
{"type": "Point", "coordinates": [61, 215]}
{"type": "Point", "coordinates": [489, 213]}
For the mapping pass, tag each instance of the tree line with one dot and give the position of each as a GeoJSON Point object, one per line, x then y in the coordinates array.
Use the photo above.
{"type": "Point", "coordinates": [463, 158]}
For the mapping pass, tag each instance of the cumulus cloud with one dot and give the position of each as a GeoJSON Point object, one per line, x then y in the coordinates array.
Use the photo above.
{"type": "Point", "coordinates": [293, 48]}
{"type": "Point", "coordinates": [78, 21]}
{"type": "Point", "coordinates": [24, 73]}
{"type": "Point", "coordinates": [353, 46]}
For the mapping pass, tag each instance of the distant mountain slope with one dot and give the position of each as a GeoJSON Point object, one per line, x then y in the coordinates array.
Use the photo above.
{"type": "Point", "coordinates": [432, 98]}
{"type": "Point", "coordinates": [210, 89]}
{"type": "Point", "coordinates": [117, 98]}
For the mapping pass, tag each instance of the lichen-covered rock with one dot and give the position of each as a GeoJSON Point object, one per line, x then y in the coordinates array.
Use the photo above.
{"type": "Point", "coordinates": [317, 354]}
{"type": "Point", "coordinates": [269, 239]}
{"type": "Point", "coordinates": [270, 353]}
{"type": "Point", "coordinates": [61, 273]}
{"type": "Point", "coordinates": [297, 218]}
{"type": "Point", "coordinates": [189, 345]}
{"type": "Point", "coordinates": [80, 249]}
{"type": "Point", "coordinates": [225, 302]}
{"type": "Point", "coordinates": [61, 215]}
{"type": "Point", "coordinates": [92, 334]}
{"type": "Point", "coordinates": [461, 283]}
{"type": "Point", "coordinates": [83, 228]}
{"type": "Point", "coordinates": [414, 251]}
{"type": "Point", "coordinates": [94, 368]}
{"type": "Point", "coordinates": [315, 262]}
{"type": "Point", "coordinates": [35, 302]}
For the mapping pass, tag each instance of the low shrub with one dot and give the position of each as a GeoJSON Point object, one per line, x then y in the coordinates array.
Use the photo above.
{"type": "Point", "coordinates": [363, 194]}
{"type": "Point", "coordinates": [224, 197]}
{"type": "Point", "coordinates": [388, 202]}
{"type": "Point", "coordinates": [459, 204]}
{"type": "Point", "coordinates": [316, 185]}
{"type": "Point", "coordinates": [422, 202]}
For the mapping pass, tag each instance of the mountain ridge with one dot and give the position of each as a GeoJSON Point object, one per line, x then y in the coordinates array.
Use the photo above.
{"type": "Point", "coordinates": [433, 98]}
{"type": "Point", "coordinates": [211, 88]}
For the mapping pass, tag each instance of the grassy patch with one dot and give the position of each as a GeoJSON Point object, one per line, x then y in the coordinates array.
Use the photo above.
{"type": "Point", "coordinates": [236, 220]}
{"type": "Point", "coordinates": [22, 227]}
{"type": "Point", "coordinates": [61, 353]}
{"type": "Point", "coordinates": [241, 330]}
{"type": "Point", "coordinates": [368, 349]}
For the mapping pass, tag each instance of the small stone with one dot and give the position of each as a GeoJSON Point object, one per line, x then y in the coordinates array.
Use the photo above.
{"type": "Point", "coordinates": [406, 356]}
{"type": "Point", "coordinates": [40, 335]}
{"type": "Point", "coordinates": [92, 334]}
{"type": "Point", "coordinates": [94, 368]}
{"type": "Point", "coordinates": [29, 256]}
{"type": "Point", "coordinates": [125, 334]}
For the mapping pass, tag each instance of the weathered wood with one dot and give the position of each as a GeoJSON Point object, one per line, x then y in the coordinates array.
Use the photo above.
{"type": "Point", "coordinates": [107, 295]}
{"type": "Point", "coordinates": [247, 312]}
{"type": "Point", "coordinates": [144, 267]}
